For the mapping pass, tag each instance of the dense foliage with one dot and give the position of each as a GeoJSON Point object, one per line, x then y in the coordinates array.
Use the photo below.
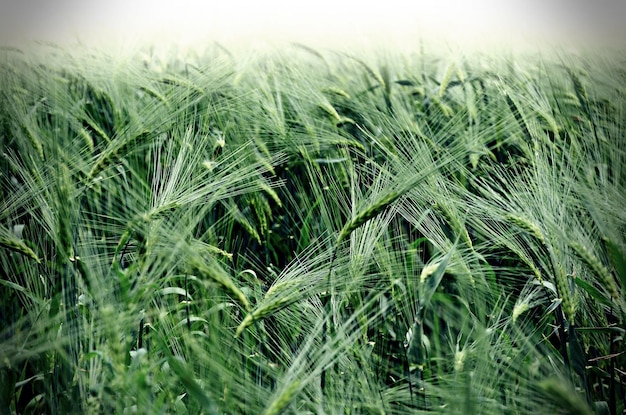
{"type": "Point", "coordinates": [311, 232]}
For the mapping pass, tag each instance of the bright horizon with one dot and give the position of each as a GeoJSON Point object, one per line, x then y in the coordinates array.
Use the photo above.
{"type": "Point", "coordinates": [324, 22]}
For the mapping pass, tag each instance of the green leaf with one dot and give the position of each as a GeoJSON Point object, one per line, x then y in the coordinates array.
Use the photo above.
{"type": "Point", "coordinates": [594, 292]}
{"type": "Point", "coordinates": [175, 290]}
{"type": "Point", "coordinates": [431, 278]}
{"type": "Point", "coordinates": [405, 82]}
{"type": "Point", "coordinates": [617, 330]}
{"type": "Point", "coordinates": [180, 405]}
{"type": "Point", "coordinates": [186, 376]}
{"type": "Point", "coordinates": [21, 289]}
{"type": "Point", "coordinates": [618, 260]}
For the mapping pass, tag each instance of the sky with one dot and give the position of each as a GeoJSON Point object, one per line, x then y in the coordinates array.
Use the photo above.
{"type": "Point", "coordinates": [318, 22]}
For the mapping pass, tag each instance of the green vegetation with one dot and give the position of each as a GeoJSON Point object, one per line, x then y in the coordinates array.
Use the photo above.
{"type": "Point", "coordinates": [312, 232]}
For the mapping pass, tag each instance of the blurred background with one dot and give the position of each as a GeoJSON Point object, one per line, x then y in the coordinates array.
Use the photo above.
{"type": "Point", "coordinates": [321, 22]}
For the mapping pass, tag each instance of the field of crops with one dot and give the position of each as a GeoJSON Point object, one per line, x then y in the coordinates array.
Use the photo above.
{"type": "Point", "coordinates": [312, 232]}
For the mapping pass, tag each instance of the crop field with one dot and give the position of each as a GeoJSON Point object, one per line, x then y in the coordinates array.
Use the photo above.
{"type": "Point", "coordinates": [310, 231]}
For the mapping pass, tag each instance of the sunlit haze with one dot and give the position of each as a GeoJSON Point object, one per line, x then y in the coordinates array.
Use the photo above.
{"type": "Point", "coordinates": [331, 23]}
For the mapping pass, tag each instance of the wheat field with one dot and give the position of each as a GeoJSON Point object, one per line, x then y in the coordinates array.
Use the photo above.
{"type": "Point", "coordinates": [312, 231]}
